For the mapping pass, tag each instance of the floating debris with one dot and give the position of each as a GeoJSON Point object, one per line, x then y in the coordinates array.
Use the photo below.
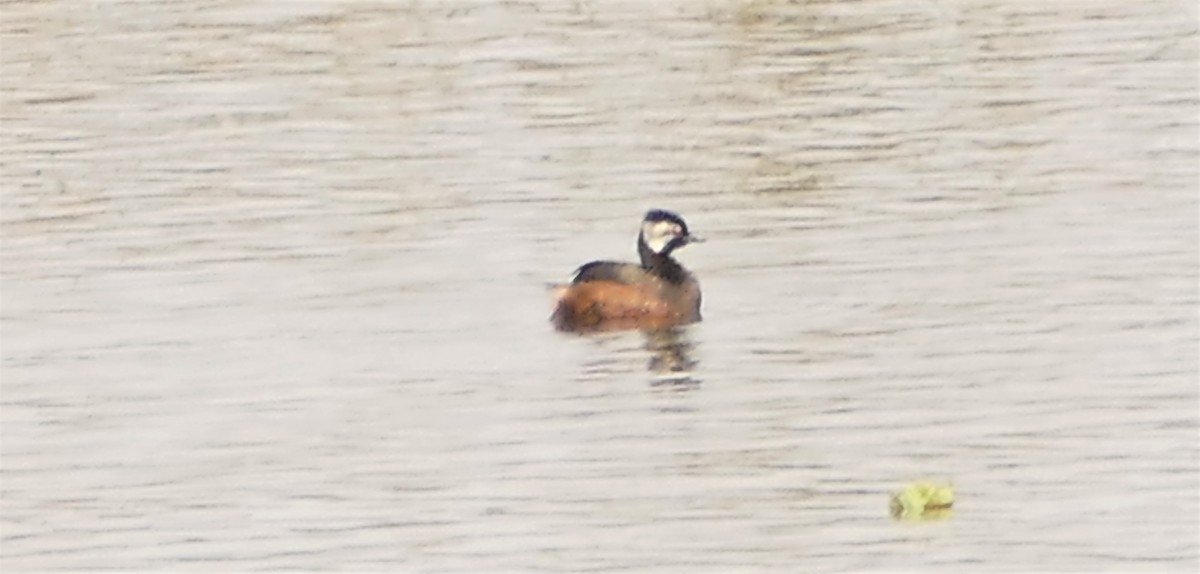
{"type": "Point", "coordinates": [923, 501]}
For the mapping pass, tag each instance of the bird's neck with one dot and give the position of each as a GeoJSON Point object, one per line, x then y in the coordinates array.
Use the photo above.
{"type": "Point", "coordinates": [660, 264]}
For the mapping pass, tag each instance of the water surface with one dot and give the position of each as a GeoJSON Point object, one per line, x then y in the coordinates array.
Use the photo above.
{"type": "Point", "coordinates": [274, 285]}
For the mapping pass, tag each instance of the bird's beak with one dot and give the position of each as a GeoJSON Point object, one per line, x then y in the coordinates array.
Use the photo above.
{"type": "Point", "coordinates": [694, 239]}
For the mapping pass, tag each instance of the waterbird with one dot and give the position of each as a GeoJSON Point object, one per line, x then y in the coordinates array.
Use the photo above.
{"type": "Point", "coordinates": [655, 294]}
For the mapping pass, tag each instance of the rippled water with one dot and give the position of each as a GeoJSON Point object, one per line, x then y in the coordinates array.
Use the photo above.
{"type": "Point", "coordinates": [274, 285]}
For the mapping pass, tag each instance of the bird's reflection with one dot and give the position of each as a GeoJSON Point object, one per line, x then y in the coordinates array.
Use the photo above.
{"type": "Point", "coordinates": [671, 363]}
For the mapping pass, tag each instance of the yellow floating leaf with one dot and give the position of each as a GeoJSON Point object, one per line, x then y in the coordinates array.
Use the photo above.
{"type": "Point", "coordinates": [922, 501]}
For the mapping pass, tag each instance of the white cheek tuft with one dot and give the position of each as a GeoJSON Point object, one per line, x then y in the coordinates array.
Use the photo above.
{"type": "Point", "coordinates": [657, 243]}
{"type": "Point", "coordinates": [657, 235]}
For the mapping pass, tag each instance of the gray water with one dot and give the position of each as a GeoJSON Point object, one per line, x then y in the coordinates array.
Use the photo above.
{"type": "Point", "coordinates": [274, 285]}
